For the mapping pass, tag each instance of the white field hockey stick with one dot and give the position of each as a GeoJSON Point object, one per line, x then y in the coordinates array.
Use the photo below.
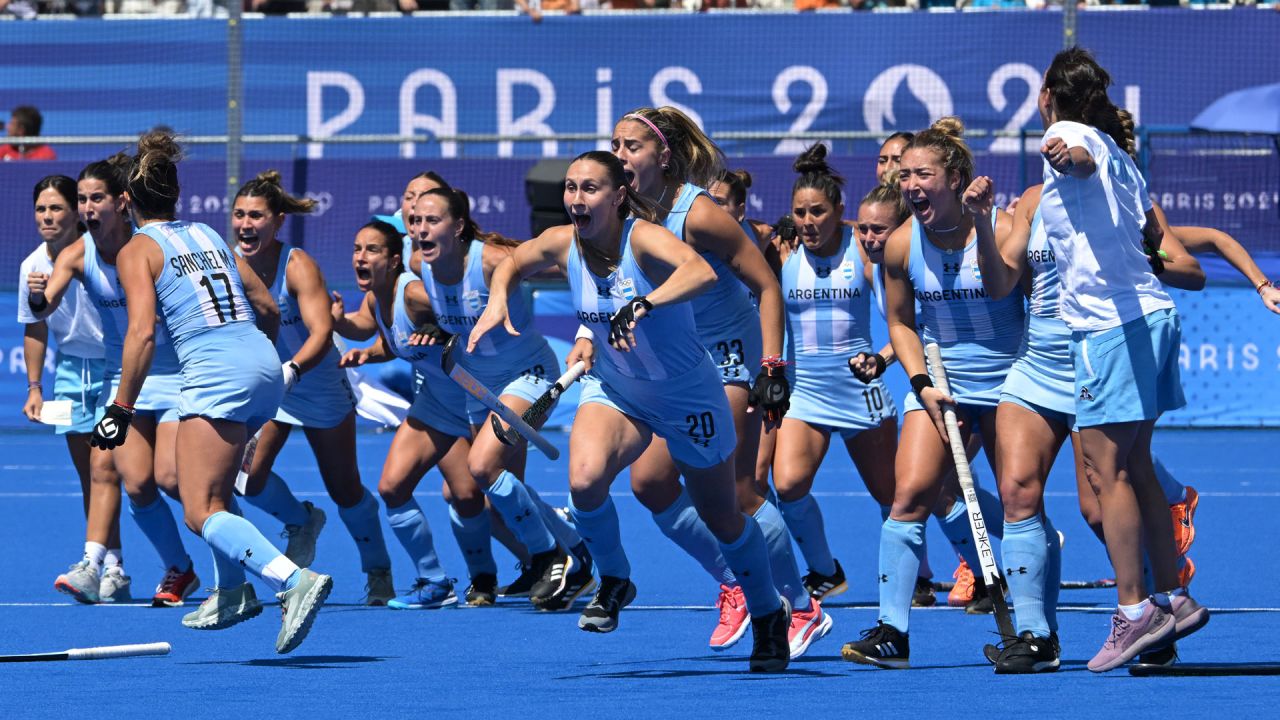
{"type": "Point", "coordinates": [977, 525]}
{"type": "Point", "coordinates": [538, 411]}
{"type": "Point", "coordinates": [246, 462]}
{"type": "Point", "coordinates": [106, 652]}
{"type": "Point", "coordinates": [491, 401]}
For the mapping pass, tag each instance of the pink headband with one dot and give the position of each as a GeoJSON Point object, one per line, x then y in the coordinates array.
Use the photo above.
{"type": "Point", "coordinates": [646, 121]}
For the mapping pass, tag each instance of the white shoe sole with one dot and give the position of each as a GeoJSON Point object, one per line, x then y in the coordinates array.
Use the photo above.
{"type": "Point", "coordinates": [809, 638]}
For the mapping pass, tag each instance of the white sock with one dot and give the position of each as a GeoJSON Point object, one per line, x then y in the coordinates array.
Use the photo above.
{"type": "Point", "coordinates": [114, 558]}
{"type": "Point", "coordinates": [94, 553]}
{"type": "Point", "coordinates": [1133, 612]}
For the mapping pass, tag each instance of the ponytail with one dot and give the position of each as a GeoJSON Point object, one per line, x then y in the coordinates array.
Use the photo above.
{"type": "Point", "coordinates": [153, 176]}
{"type": "Point", "coordinates": [695, 157]}
{"type": "Point", "coordinates": [267, 186]}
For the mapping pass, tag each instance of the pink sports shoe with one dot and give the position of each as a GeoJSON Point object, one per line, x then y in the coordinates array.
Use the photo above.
{"type": "Point", "coordinates": [734, 619]}
{"type": "Point", "coordinates": [807, 627]}
{"type": "Point", "coordinates": [1153, 629]}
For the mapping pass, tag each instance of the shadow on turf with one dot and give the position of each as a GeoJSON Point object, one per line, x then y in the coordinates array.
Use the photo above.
{"type": "Point", "coordinates": [301, 662]}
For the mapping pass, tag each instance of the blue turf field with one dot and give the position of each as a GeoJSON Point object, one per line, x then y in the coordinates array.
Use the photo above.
{"type": "Point", "coordinates": [366, 662]}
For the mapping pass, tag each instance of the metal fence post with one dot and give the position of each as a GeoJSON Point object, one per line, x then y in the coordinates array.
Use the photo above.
{"type": "Point", "coordinates": [235, 102]}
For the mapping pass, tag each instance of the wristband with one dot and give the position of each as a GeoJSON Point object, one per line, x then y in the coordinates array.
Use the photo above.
{"type": "Point", "coordinates": [772, 362]}
{"type": "Point", "coordinates": [35, 385]}
{"type": "Point", "coordinates": [584, 332]}
{"type": "Point", "coordinates": [1264, 283]}
{"type": "Point", "coordinates": [37, 306]}
{"type": "Point", "coordinates": [920, 382]}
{"type": "Point", "coordinates": [880, 362]}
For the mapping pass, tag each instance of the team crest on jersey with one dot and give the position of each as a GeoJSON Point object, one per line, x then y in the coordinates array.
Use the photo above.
{"type": "Point", "coordinates": [471, 300]}
{"type": "Point", "coordinates": [626, 289]}
{"type": "Point", "coordinates": [977, 272]}
{"type": "Point", "coordinates": [846, 270]}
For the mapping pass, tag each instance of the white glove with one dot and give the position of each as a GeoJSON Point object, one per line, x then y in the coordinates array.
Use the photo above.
{"type": "Point", "coordinates": [291, 373]}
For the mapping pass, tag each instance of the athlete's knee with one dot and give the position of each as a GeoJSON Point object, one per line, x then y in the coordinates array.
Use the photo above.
{"type": "Point", "coordinates": [1021, 492]}
{"type": "Point", "coordinates": [485, 468]}
{"type": "Point", "coordinates": [394, 494]}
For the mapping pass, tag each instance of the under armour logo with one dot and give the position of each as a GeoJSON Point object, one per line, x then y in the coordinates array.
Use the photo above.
{"type": "Point", "coordinates": [1015, 571]}
{"type": "Point", "coordinates": [950, 268]}
{"type": "Point", "coordinates": [822, 271]}
{"type": "Point", "coordinates": [602, 291]}
{"type": "Point", "coordinates": [884, 578]}
{"type": "Point", "coordinates": [1085, 394]}
{"type": "Point", "coordinates": [248, 553]}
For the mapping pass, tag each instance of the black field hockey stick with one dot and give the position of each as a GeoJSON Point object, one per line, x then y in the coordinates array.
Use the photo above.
{"type": "Point", "coordinates": [977, 524]}
{"type": "Point", "coordinates": [491, 401]}
{"type": "Point", "coordinates": [541, 407]}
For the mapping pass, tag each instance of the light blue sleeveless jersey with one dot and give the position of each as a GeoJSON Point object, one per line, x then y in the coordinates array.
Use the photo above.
{"type": "Point", "coordinates": [199, 285]}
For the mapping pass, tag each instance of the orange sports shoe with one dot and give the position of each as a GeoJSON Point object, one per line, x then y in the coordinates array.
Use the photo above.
{"type": "Point", "coordinates": [734, 619]}
{"type": "Point", "coordinates": [175, 587]}
{"type": "Point", "coordinates": [962, 592]}
{"type": "Point", "coordinates": [1184, 529]}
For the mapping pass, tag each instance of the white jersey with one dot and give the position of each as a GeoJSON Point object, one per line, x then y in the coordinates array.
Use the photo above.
{"type": "Point", "coordinates": [1094, 226]}
{"type": "Point", "coordinates": [75, 327]}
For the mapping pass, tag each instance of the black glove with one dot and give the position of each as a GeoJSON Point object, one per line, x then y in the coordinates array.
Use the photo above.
{"type": "Point", "coordinates": [111, 429]}
{"type": "Point", "coordinates": [863, 376]}
{"type": "Point", "coordinates": [1155, 256]}
{"type": "Point", "coordinates": [771, 393]}
{"type": "Point", "coordinates": [621, 322]}
{"type": "Point", "coordinates": [785, 228]}
{"type": "Point", "coordinates": [430, 329]}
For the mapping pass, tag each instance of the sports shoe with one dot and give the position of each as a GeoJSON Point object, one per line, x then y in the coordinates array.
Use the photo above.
{"type": "Point", "coordinates": [732, 625]}
{"type": "Point", "coordinates": [1167, 655]}
{"type": "Point", "coordinates": [577, 582]}
{"type": "Point", "coordinates": [114, 586]}
{"type": "Point", "coordinates": [1186, 570]}
{"type": "Point", "coordinates": [482, 591]}
{"type": "Point", "coordinates": [771, 649]}
{"type": "Point", "coordinates": [1027, 654]}
{"type": "Point", "coordinates": [301, 546]}
{"type": "Point", "coordinates": [378, 589]}
{"type": "Point", "coordinates": [807, 627]}
{"type": "Point", "coordinates": [299, 607]}
{"type": "Point", "coordinates": [601, 614]}
{"type": "Point", "coordinates": [1188, 615]}
{"type": "Point", "coordinates": [521, 586]}
{"type": "Point", "coordinates": [426, 595]}
{"type": "Point", "coordinates": [922, 595]}
{"type": "Point", "coordinates": [175, 586]}
{"type": "Point", "coordinates": [1184, 513]}
{"type": "Point", "coordinates": [883, 646]}
{"type": "Point", "coordinates": [1153, 630]}
{"type": "Point", "coordinates": [962, 592]}
{"type": "Point", "coordinates": [552, 568]}
{"type": "Point", "coordinates": [821, 586]}
{"type": "Point", "coordinates": [992, 652]}
{"type": "Point", "coordinates": [81, 581]}
{"type": "Point", "coordinates": [981, 603]}
{"type": "Point", "coordinates": [223, 608]}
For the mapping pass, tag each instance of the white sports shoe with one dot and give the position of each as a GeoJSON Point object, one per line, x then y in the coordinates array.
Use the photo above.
{"type": "Point", "coordinates": [114, 586]}
{"type": "Point", "coordinates": [301, 548]}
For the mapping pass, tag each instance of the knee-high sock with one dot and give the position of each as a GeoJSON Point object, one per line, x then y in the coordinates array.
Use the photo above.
{"type": "Point", "coordinates": [804, 519]}
{"type": "Point", "coordinates": [782, 561]}
{"type": "Point", "coordinates": [602, 534]}
{"type": "Point", "coordinates": [748, 557]}
{"type": "Point", "coordinates": [237, 540]}
{"type": "Point", "coordinates": [365, 526]}
{"type": "Point", "coordinates": [512, 501]}
{"type": "Point", "coordinates": [157, 523]}
{"type": "Point", "coordinates": [992, 512]}
{"type": "Point", "coordinates": [563, 531]}
{"type": "Point", "coordinates": [227, 575]}
{"type": "Point", "coordinates": [1025, 551]}
{"type": "Point", "coordinates": [1174, 491]}
{"type": "Point", "coordinates": [681, 524]}
{"type": "Point", "coordinates": [1052, 575]}
{"type": "Point", "coordinates": [901, 544]}
{"type": "Point", "coordinates": [277, 500]}
{"type": "Point", "coordinates": [473, 535]}
{"type": "Point", "coordinates": [414, 533]}
{"type": "Point", "coordinates": [956, 527]}
{"type": "Point", "coordinates": [925, 571]}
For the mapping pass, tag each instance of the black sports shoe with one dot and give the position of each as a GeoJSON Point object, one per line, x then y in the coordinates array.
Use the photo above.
{"type": "Point", "coordinates": [992, 652]}
{"type": "Point", "coordinates": [601, 614]}
{"type": "Point", "coordinates": [551, 568]}
{"type": "Point", "coordinates": [1167, 655]}
{"type": "Point", "coordinates": [578, 582]}
{"type": "Point", "coordinates": [521, 585]}
{"type": "Point", "coordinates": [771, 647]}
{"type": "Point", "coordinates": [821, 586]}
{"type": "Point", "coordinates": [981, 603]}
{"type": "Point", "coordinates": [482, 591]}
{"type": "Point", "coordinates": [1027, 654]}
{"type": "Point", "coordinates": [922, 595]}
{"type": "Point", "coordinates": [883, 646]}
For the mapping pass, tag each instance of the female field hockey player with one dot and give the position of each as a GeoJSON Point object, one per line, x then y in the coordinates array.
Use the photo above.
{"type": "Point", "coordinates": [1124, 346]}
{"type": "Point", "coordinates": [436, 432]}
{"type": "Point", "coordinates": [631, 280]}
{"type": "Point", "coordinates": [933, 261]}
{"type": "Point", "coordinates": [317, 396]}
{"type": "Point", "coordinates": [185, 274]}
{"type": "Point", "coordinates": [668, 160]}
{"type": "Point", "coordinates": [456, 269]}
{"type": "Point", "coordinates": [890, 156]}
{"type": "Point", "coordinates": [146, 463]}
{"type": "Point", "coordinates": [827, 283]}
{"type": "Point", "coordinates": [79, 363]}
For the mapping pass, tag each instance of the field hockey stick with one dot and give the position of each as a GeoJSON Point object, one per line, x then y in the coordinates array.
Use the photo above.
{"type": "Point", "coordinates": [491, 401]}
{"type": "Point", "coordinates": [977, 525]}
{"type": "Point", "coordinates": [106, 652]}
{"type": "Point", "coordinates": [537, 412]}
{"type": "Point", "coordinates": [246, 462]}
{"type": "Point", "coordinates": [1203, 669]}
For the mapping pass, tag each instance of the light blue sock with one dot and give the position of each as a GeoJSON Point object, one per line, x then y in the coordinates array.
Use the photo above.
{"type": "Point", "coordinates": [992, 512]}
{"type": "Point", "coordinates": [278, 501]}
{"type": "Point", "coordinates": [901, 544]}
{"type": "Point", "coordinates": [1052, 575]}
{"type": "Point", "coordinates": [1025, 551]}
{"type": "Point", "coordinates": [782, 561]}
{"type": "Point", "coordinates": [602, 534]}
{"type": "Point", "coordinates": [365, 526]}
{"type": "Point", "coordinates": [804, 519]}
{"type": "Point", "coordinates": [748, 557]}
{"type": "Point", "coordinates": [563, 531]}
{"type": "Point", "coordinates": [414, 533]}
{"type": "Point", "coordinates": [956, 527]}
{"type": "Point", "coordinates": [681, 524]}
{"type": "Point", "coordinates": [512, 501]}
{"type": "Point", "coordinates": [473, 535]}
{"type": "Point", "coordinates": [237, 540]}
{"type": "Point", "coordinates": [157, 523]}
{"type": "Point", "coordinates": [1174, 491]}
{"type": "Point", "coordinates": [227, 575]}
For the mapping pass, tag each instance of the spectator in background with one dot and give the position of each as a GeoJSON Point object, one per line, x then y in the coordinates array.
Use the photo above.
{"type": "Point", "coordinates": [25, 121]}
{"type": "Point", "coordinates": [21, 9]}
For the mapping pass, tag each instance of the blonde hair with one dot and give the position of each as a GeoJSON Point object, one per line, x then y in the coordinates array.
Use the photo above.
{"type": "Point", "coordinates": [946, 137]}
